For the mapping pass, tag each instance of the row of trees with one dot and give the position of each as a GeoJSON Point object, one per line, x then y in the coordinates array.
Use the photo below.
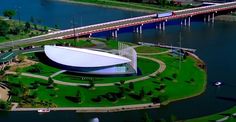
{"type": "Point", "coordinates": [141, 94]}
{"type": "Point", "coordinates": [157, 2]}
{"type": "Point", "coordinates": [10, 27]}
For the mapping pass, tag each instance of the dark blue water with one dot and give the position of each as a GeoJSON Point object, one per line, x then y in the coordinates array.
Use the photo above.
{"type": "Point", "coordinates": [215, 44]}
{"type": "Point", "coordinates": [52, 12]}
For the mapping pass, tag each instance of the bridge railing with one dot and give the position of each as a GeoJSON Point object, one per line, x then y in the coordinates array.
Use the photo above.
{"type": "Point", "coordinates": [210, 6]}
{"type": "Point", "coordinates": [107, 23]}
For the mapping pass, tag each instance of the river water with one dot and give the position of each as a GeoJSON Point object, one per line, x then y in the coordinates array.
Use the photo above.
{"type": "Point", "coordinates": [215, 44]}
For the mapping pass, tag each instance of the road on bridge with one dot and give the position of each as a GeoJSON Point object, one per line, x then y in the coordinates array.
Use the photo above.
{"type": "Point", "coordinates": [115, 25]}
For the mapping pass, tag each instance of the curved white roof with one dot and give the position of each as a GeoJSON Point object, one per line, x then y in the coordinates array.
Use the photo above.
{"type": "Point", "coordinates": [78, 57]}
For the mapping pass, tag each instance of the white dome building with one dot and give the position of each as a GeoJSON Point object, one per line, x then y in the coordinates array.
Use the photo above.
{"type": "Point", "coordinates": [89, 61]}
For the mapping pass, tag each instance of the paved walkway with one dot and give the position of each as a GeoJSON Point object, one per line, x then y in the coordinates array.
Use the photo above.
{"type": "Point", "coordinates": [159, 70]}
{"type": "Point", "coordinates": [57, 73]}
{"type": "Point", "coordinates": [95, 109]}
{"type": "Point", "coordinates": [99, 44]}
{"type": "Point", "coordinates": [4, 92]}
{"type": "Point", "coordinates": [148, 54]}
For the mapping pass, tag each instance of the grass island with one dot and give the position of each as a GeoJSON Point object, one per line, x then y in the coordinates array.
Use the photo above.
{"type": "Point", "coordinates": [165, 77]}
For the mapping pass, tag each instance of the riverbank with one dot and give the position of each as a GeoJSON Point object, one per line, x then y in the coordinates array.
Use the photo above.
{"type": "Point", "coordinates": [224, 116]}
{"type": "Point", "coordinates": [227, 18]}
{"type": "Point", "coordinates": [130, 6]}
{"type": "Point", "coordinates": [95, 109]}
{"type": "Point", "coordinates": [16, 30]}
{"type": "Point", "coordinates": [200, 62]}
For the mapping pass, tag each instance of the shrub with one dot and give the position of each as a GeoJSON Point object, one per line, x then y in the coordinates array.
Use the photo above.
{"type": "Point", "coordinates": [4, 105]}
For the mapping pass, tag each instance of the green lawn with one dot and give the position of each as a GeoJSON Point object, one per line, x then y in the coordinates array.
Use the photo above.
{"type": "Point", "coordinates": [62, 91]}
{"type": "Point", "coordinates": [185, 70]}
{"type": "Point", "coordinates": [146, 66]}
{"type": "Point", "coordinates": [188, 70]}
{"type": "Point", "coordinates": [215, 117]}
{"type": "Point", "coordinates": [179, 80]}
{"type": "Point", "coordinates": [149, 49]}
{"type": "Point", "coordinates": [22, 34]}
{"type": "Point", "coordinates": [44, 69]}
{"type": "Point", "coordinates": [132, 5]}
{"type": "Point", "coordinates": [72, 42]}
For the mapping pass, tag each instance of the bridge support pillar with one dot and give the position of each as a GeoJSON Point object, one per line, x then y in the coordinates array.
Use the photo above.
{"type": "Point", "coordinates": [208, 18]}
{"type": "Point", "coordinates": [157, 26]}
{"type": "Point", "coordinates": [160, 26]}
{"type": "Point", "coordinates": [114, 33]}
{"type": "Point", "coordinates": [189, 21]}
{"type": "Point", "coordinates": [90, 35]}
{"type": "Point", "coordinates": [136, 29]}
{"type": "Point", "coordinates": [185, 22]}
{"type": "Point", "coordinates": [213, 18]}
{"type": "Point", "coordinates": [163, 25]}
{"type": "Point", "coordinates": [140, 29]}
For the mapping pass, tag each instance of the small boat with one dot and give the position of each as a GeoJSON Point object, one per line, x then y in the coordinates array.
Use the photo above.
{"type": "Point", "coordinates": [43, 110]}
{"type": "Point", "coordinates": [218, 83]}
{"type": "Point", "coordinates": [94, 120]}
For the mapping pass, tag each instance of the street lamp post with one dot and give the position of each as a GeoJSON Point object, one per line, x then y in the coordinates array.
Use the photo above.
{"type": "Point", "coordinates": [73, 26]}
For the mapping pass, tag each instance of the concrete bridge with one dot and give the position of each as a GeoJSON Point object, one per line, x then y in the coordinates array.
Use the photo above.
{"type": "Point", "coordinates": [208, 13]}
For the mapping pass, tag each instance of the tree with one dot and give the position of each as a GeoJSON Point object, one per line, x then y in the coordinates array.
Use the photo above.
{"type": "Point", "coordinates": [4, 105]}
{"type": "Point", "coordinates": [78, 96]}
{"type": "Point", "coordinates": [122, 82]}
{"type": "Point", "coordinates": [131, 85]}
{"type": "Point", "coordinates": [121, 93]}
{"type": "Point", "coordinates": [27, 26]}
{"type": "Point", "coordinates": [142, 93]}
{"type": "Point", "coordinates": [163, 2]}
{"type": "Point", "coordinates": [21, 58]}
{"type": "Point", "coordinates": [34, 94]}
{"type": "Point", "coordinates": [16, 30]}
{"type": "Point", "coordinates": [4, 28]}
{"type": "Point", "coordinates": [50, 82]}
{"type": "Point", "coordinates": [18, 72]}
{"type": "Point", "coordinates": [91, 84]}
{"type": "Point", "coordinates": [9, 13]}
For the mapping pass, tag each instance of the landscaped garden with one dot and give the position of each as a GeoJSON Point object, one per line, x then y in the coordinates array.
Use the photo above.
{"type": "Point", "coordinates": [181, 74]}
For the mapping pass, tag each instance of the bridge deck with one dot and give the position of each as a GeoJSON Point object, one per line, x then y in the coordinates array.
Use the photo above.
{"type": "Point", "coordinates": [136, 21]}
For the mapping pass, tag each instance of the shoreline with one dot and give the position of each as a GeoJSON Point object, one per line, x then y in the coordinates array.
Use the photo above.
{"type": "Point", "coordinates": [95, 109]}
{"type": "Point", "coordinates": [226, 18]}
{"type": "Point", "coordinates": [107, 6]}
{"type": "Point", "coordinates": [194, 95]}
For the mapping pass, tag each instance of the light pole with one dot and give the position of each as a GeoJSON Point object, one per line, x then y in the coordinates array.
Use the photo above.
{"type": "Point", "coordinates": [18, 12]}
{"type": "Point", "coordinates": [73, 26]}
{"type": "Point", "coordinates": [180, 44]}
{"type": "Point", "coordinates": [80, 21]}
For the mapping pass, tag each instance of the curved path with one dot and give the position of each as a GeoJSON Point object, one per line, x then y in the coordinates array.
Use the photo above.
{"type": "Point", "coordinates": [148, 54]}
{"type": "Point", "coordinates": [159, 70]}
